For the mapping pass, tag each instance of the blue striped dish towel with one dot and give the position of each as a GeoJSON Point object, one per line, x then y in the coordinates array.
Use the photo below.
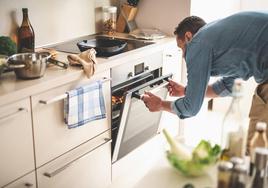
{"type": "Point", "coordinates": [84, 104]}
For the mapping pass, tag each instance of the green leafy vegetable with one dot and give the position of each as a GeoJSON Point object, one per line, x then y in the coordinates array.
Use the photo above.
{"type": "Point", "coordinates": [7, 46]}
{"type": "Point", "coordinates": [203, 156]}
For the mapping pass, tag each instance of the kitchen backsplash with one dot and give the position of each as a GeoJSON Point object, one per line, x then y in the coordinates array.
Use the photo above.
{"type": "Point", "coordinates": [53, 20]}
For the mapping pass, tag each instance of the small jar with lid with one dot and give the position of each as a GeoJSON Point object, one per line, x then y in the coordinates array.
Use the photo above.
{"type": "Point", "coordinates": [224, 174]}
{"type": "Point", "coordinates": [109, 19]}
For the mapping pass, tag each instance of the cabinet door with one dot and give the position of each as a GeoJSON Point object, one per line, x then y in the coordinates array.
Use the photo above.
{"type": "Point", "coordinates": [172, 62]}
{"type": "Point", "coordinates": [88, 166]}
{"type": "Point", "coordinates": [16, 144]}
{"type": "Point", "coordinates": [52, 136]}
{"type": "Point", "coordinates": [27, 181]}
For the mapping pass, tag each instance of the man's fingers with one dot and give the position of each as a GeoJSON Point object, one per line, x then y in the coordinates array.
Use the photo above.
{"type": "Point", "coordinates": [148, 93]}
{"type": "Point", "coordinates": [171, 82]}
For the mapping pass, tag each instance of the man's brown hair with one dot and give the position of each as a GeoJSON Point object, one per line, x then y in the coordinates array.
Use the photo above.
{"type": "Point", "coordinates": [191, 23]}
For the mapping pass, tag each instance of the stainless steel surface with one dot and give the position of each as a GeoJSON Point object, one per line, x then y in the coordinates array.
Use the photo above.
{"type": "Point", "coordinates": [63, 96]}
{"type": "Point", "coordinates": [130, 133]}
{"type": "Point", "coordinates": [126, 71]}
{"type": "Point", "coordinates": [58, 63]}
{"type": "Point", "coordinates": [29, 65]}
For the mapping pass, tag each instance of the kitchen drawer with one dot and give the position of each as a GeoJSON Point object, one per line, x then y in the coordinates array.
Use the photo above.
{"type": "Point", "coordinates": [27, 181]}
{"type": "Point", "coordinates": [51, 135]}
{"type": "Point", "coordinates": [16, 141]}
{"type": "Point", "coordinates": [87, 166]}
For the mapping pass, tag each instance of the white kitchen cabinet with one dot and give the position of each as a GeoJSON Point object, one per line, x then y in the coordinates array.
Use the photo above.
{"type": "Point", "coordinates": [87, 166]}
{"type": "Point", "coordinates": [16, 141]}
{"type": "Point", "coordinates": [172, 63]}
{"type": "Point", "coordinates": [52, 136]}
{"type": "Point", "coordinates": [27, 181]}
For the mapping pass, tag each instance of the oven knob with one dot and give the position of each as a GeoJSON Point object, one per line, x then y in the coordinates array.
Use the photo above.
{"type": "Point", "coordinates": [146, 68]}
{"type": "Point", "coordinates": [130, 75]}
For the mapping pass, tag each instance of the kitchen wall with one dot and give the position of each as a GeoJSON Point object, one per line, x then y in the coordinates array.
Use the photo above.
{"type": "Point", "coordinates": [53, 20]}
{"type": "Point", "coordinates": [163, 15]}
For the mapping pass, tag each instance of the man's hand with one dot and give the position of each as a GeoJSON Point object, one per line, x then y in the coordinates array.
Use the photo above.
{"type": "Point", "coordinates": [152, 102]}
{"type": "Point", "coordinates": [175, 89]}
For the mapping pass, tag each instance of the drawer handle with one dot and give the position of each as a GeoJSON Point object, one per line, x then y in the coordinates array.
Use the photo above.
{"type": "Point", "coordinates": [14, 114]}
{"type": "Point", "coordinates": [168, 55]}
{"type": "Point", "coordinates": [63, 96]}
{"type": "Point", "coordinates": [28, 184]}
{"type": "Point", "coordinates": [57, 171]}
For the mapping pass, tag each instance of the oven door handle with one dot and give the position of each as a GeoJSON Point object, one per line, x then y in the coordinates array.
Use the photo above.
{"type": "Point", "coordinates": [136, 94]}
{"type": "Point", "coordinates": [139, 96]}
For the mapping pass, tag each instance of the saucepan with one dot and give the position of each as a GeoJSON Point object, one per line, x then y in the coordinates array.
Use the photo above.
{"type": "Point", "coordinates": [29, 65]}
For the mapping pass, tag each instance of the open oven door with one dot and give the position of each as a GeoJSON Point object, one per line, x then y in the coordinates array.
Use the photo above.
{"type": "Point", "coordinates": [137, 123]}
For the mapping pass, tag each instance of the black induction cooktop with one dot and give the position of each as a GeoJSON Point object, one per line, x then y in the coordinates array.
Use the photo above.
{"type": "Point", "coordinates": [72, 47]}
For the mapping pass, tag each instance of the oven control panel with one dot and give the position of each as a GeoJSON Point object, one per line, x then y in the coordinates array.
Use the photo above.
{"type": "Point", "coordinates": [136, 67]}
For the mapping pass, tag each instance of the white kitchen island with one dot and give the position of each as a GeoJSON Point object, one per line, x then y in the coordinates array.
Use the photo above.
{"type": "Point", "coordinates": [154, 171]}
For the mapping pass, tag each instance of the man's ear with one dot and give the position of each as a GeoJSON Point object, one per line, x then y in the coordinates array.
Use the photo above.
{"type": "Point", "coordinates": [188, 36]}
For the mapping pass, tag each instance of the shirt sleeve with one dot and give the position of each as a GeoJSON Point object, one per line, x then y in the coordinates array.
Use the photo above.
{"type": "Point", "coordinates": [223, 87]}
{"type": "Point", "coordinates": [198, 62]}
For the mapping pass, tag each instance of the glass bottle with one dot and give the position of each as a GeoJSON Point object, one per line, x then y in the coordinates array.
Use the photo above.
{"type": "Point", "coordinates": [259, 139]}
{"type": "Point", "coordinates": [224, 174]}
{"type": "Point", "coordinates": [260, 174]}
{"type": "Point", "coordinates": [26, 35]}
{"type": "Point", "coordinates": [109, 19]}
{"type": "Point", "coordinates": [233, 130]}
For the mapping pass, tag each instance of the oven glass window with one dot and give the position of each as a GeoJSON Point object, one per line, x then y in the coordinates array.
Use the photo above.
{"type": "Point", "coordinates": [141, 124]}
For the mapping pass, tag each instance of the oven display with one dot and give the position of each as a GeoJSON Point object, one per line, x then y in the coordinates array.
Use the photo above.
{"type": "Point", "coordinates": [139, 68]}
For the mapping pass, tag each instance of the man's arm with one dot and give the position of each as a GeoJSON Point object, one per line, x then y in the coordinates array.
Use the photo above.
{"type": "Point", "coordinates": [211, 93]}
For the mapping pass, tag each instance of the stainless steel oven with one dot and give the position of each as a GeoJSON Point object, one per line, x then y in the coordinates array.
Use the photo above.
{"type": "Point", "coordinates": [132, 123]}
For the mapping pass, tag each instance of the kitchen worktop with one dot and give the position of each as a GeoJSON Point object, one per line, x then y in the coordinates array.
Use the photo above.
{"type": "Point", "coordinates": [152, 170]}
{"type": "Point", "coordinates": [12, 89]}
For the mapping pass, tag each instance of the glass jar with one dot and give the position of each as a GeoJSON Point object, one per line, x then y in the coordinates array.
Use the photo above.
{"type": "Point", "coordinates": [224, 174]}
{"type": "Point", "coordinates": [109, 19]}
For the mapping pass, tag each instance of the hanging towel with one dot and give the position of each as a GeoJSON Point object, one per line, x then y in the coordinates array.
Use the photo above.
{"type": "Point", "coordinates": [84, 104]}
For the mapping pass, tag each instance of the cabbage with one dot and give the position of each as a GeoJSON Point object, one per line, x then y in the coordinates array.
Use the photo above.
{"type": "Point", "coordinates": [202, 158]}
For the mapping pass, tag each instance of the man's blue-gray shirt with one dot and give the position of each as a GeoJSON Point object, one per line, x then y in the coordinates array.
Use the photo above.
{"type": "Point", "coordinates": [233, 47]}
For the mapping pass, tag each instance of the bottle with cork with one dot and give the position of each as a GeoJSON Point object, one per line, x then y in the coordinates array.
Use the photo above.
{"type": "Point", "coordinates": [26, 37]}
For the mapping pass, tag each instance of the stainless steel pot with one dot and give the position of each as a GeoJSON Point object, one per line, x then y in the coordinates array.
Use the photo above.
{"type": "Point", "coordinates": [29, 65]}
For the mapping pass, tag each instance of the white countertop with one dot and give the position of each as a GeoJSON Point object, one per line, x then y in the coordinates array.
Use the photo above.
{"type": "Point", "coordinates": [12, 89]}
{"type": "Point", "coordinates": [148, 167]}
{"type": "Point", "coordinates": [162, 175]}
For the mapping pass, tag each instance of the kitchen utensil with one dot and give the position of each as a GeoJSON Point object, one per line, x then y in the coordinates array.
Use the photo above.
{"type": "Point", "coordinates": [29, 65]}
{"type": "Point", "coordinates": [103, 46]}
{"type": "Point", "coordinates": [58, 63]}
